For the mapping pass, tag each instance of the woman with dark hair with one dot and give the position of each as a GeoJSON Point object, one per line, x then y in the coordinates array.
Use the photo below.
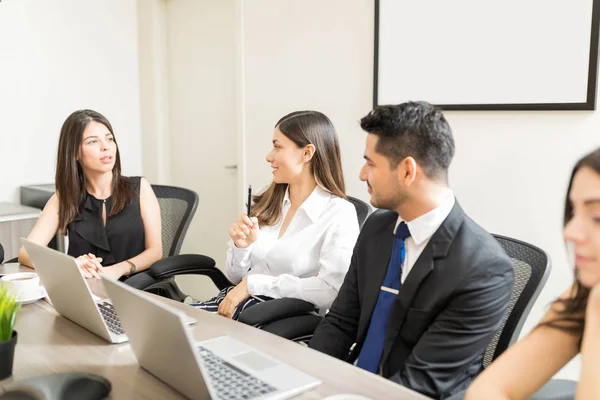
{"type": "Point", "coordinates": [572, 324]}
{"type": "Point", "coordinates": [299, 238]}
{"type": "Point", "coordinates": [112, 222]}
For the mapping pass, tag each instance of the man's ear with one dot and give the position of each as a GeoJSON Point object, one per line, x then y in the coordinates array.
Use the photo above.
{"type": "Point", "coordinates": [407, 171]}
{"type": "Point", "coordinates": [309, 152]}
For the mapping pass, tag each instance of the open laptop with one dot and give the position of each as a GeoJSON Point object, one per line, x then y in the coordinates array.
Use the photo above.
{"type": "Point", "coordinates": [71, 296]}
{"type": "Point", "coordinates": [219, 368]}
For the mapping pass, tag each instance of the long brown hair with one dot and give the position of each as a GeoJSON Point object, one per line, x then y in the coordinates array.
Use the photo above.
{"type": "Point", "coordinates": [304, 128]}
{"type": "Point", "coordinates": [70, 180]}
{"type": "Point", "coordinates": [571, 311]}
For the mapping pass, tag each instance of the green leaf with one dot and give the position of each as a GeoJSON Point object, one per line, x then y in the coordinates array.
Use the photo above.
{"type": "Point", "coordinates": [9, 308]}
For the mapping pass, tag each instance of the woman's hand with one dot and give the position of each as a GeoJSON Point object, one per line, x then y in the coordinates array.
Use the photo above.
{"type": "Point", "coordinates": [233, 299]}
{"type": "Point", "coordinates": [90, 265]}
{"type": "Point", "coordinates": [244, 231]}
{"type": "Point", "coordinates": [114, 272]}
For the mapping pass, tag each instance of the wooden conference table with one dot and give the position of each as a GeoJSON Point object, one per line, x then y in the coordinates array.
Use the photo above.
{"type": "Point", "coordinates": [49, 343]}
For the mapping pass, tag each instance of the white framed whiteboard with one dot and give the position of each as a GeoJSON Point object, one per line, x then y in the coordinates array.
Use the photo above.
{"type": "Point", "coordinates": [487, 55]}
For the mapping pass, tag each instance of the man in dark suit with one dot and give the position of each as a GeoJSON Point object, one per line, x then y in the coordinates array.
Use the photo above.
{"type": "Point", "coordinates": [427, 287]}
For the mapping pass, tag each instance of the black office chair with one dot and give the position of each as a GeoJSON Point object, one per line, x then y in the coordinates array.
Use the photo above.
{"type": "Point", "coordinates": [532, 268]}
{"type": "Point", "coordinates": [363, 210]}
{"type": "Point", "coordinates": [267, 315]}
{"type": "Point", "coordinates": [177, 208]}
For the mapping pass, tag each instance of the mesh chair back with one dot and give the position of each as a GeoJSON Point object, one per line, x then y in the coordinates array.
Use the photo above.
{"type": "Point", "coordinates": [532, 268]}
{"type": "Point", "coordinates": [177, 208]}
{"type": "Point", "coordinates": [363, 210]}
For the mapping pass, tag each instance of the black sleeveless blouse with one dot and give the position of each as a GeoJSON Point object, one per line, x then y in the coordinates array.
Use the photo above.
{"type": "Point", "coordinates": [120, 239]}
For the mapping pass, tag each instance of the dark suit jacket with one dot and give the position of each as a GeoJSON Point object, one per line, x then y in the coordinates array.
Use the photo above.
{"type": "Point", "coordinates": [446, 313]}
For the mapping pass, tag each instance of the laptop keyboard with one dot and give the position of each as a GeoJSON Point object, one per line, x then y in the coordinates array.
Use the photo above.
{"type": "Point", "coordinates": [230, 382]}
{"type": "Point", "coordinates": [110, 317]}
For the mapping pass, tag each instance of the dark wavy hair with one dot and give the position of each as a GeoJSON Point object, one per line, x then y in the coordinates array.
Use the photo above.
{"type": "Point", "coordinates": [413, 129]}
{"type": "Point", "coordinates": [571, 311]}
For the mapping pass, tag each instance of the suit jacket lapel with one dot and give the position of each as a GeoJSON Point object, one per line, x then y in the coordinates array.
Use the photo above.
{"type": "Point", "coordinates": [438, 247]}
{"type": "Point", "coordinates": [376, 274]}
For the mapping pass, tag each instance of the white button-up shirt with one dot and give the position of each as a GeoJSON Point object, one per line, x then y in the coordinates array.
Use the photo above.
{"type": "Point", "coordinates": [422, 229]}
{"type": "Point", "coordinates": [309, 261]}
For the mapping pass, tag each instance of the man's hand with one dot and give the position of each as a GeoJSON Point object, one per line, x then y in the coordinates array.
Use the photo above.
{"type": "Point", "coordinates": [233, 299]}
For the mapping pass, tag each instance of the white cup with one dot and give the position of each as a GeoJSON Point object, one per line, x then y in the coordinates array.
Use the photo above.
{"type": "Point", "coordinates": [23, 284]}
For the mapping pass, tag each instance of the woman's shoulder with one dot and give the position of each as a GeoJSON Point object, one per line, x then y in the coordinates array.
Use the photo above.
{"type": "Point", "coordinates": [135, 181]}
{"type": "Point", "coordinates": [341, 206]}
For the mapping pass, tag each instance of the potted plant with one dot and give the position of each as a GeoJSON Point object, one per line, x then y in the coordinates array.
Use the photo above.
{"type": "Point", "coordinates": [9, 307]}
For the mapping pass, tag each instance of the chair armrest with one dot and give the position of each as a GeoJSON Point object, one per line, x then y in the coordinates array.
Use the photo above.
{"type": "Point", "coordinates": [189, 264]}
{"type": "Point", "coordinates": [298, 329]}
{"type": "Point", "coordinates": [274, 310]}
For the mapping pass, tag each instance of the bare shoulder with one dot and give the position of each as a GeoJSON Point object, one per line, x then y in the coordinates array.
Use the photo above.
{"type": "Point", "coordinates": [52, 204]}
{"type": "Point", "coordinates": [145, 188]}
{"type": "Point", "coordinates": [144, 183]}
{"type": "Point", "coordinates": [53, 199]}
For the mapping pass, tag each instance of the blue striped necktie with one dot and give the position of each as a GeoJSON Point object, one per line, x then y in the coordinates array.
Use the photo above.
{"type": "Point", "coordinates": [370, 354]}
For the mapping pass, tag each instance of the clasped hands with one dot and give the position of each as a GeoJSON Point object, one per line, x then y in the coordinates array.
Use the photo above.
{"type": "Point", "coordinates": [91, 267]}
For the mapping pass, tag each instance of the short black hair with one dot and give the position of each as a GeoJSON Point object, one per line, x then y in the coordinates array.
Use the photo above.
{"type": "Point", "coordinates": [413, 129]}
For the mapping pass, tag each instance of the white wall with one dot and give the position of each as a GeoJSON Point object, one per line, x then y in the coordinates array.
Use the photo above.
{"type": "Point", "coordinates": [309, 54]}
{"type": "Point", "coordinates": [154, 99]}
{"type": "Point", "coordinates": [201, 42]}
{"type": "Point", "coordinates": [511, 173]}
{"type": "Point", "coordinates": [56, 57]}
{"type": "Point", "coordinates": [511, 168]}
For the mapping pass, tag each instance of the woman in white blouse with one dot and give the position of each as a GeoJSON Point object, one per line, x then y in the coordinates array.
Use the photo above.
{"type": "Point", "coordinates": [299, 239]}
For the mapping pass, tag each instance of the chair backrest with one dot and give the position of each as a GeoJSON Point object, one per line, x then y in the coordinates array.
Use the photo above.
{"type": "Point", "coordinates": [532, 268]}
{"type": "Point", "coordinates": [363, 210]}
{"type": "Point", "coordinates": [1, 253]}
{"type": "Point", "coordinates": [177, 208]}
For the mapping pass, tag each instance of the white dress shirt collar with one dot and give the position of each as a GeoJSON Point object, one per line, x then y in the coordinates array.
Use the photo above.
{"type": "Point", "coordinates": [423, 227]}
{"type": "Point", "coordinates": [315, 203]}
